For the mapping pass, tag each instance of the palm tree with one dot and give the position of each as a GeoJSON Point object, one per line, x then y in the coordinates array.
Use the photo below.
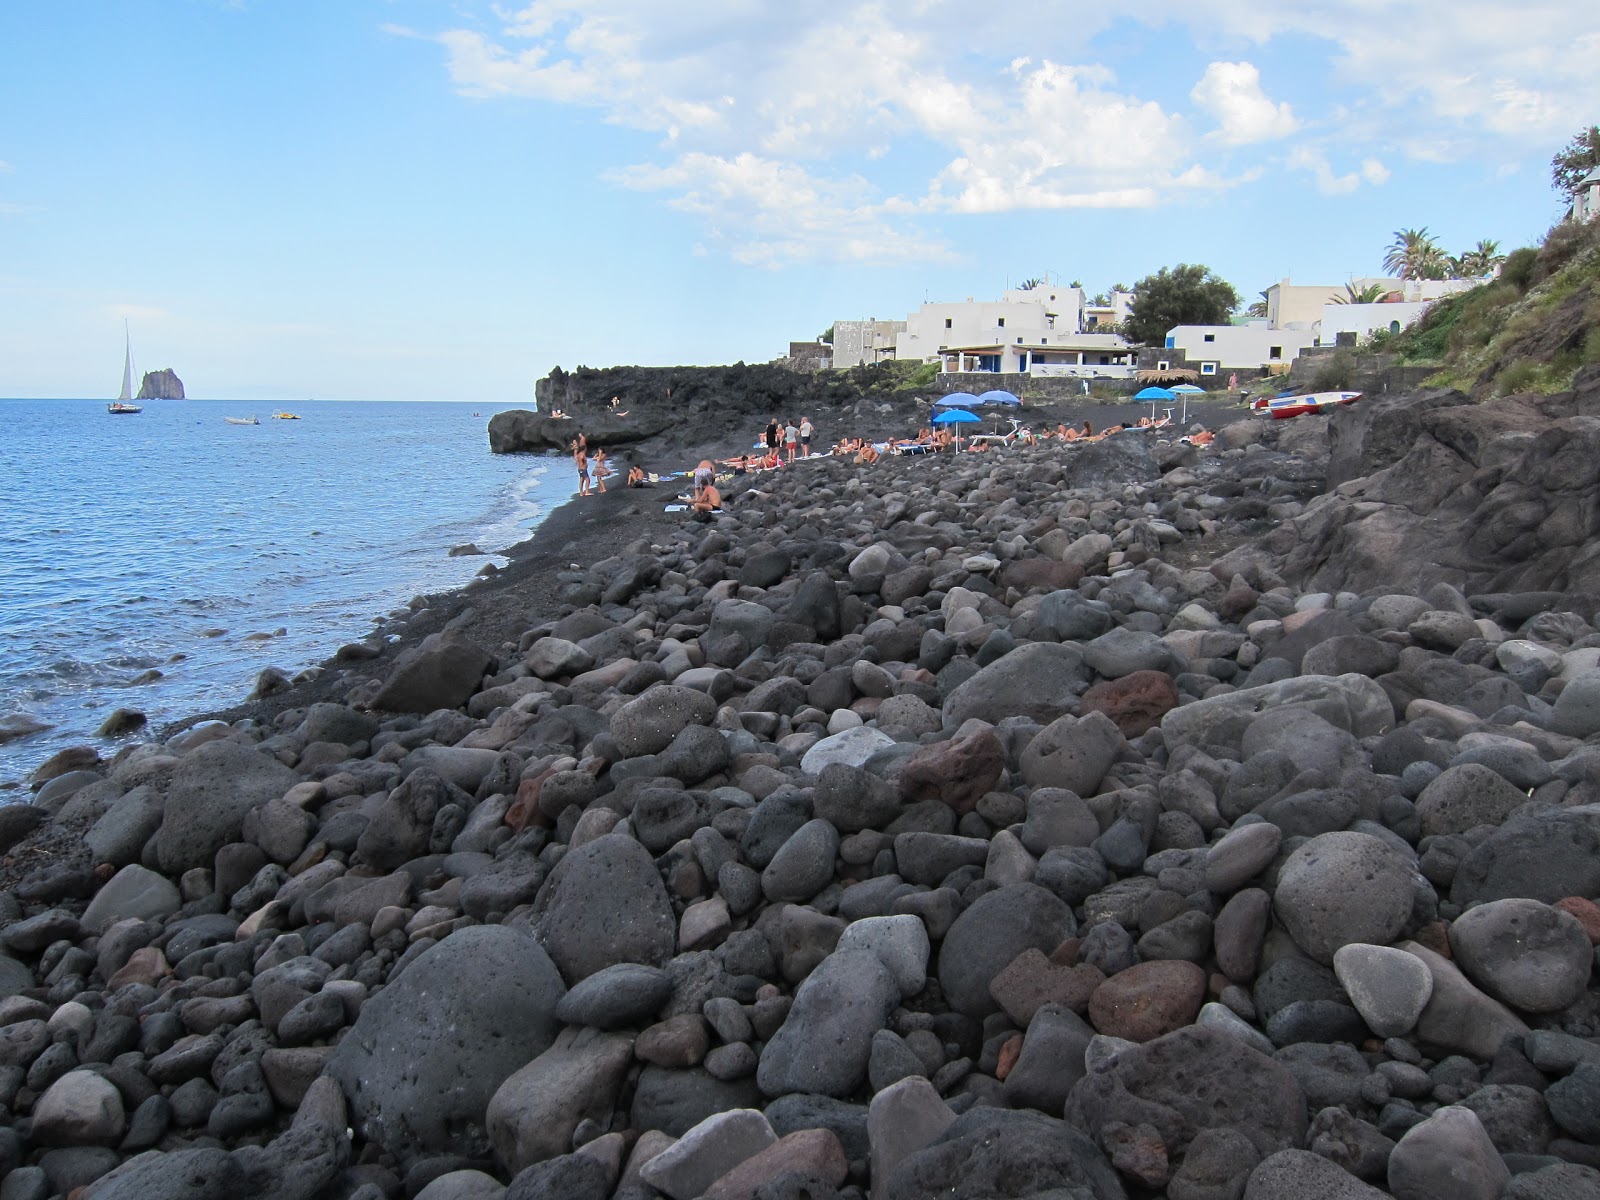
{"type": "Point", "coordinates": [1481, 260]}
{"type": "Point", "coordinates": [1027, 285]}
{"type": "Point", "coordinates": [1258, 308]}
{"type": "Point", "coordinates": [1370, 294]}
{"type": "Point", "coordinates": [1415, 255]}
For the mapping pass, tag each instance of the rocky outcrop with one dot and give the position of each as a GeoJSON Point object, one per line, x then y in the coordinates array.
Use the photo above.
{"type": "Point", "coordinates": [161, 385]}
{"type": "Point", "coordinates": [518, 431]}
{"type": "Point", "coordinates": [1489, 497]}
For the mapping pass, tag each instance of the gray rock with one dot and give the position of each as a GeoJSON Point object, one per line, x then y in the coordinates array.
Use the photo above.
{"type": "Point", "coordinates": [1577, 709]}
{"type": "Point", "coordinates": [206, 1174]}
{"type": "Point", "coordinates": [463, 1185]}
{"type": "Point", "coordinates": [852, 747]}
{"type": "Point", "coordinates": [1447, 1157]}
{"type": "Point", "coordinates": [212, 789]}
{"type": "Point", "coordinates": [1527, 954]}
{"type": "Point", "coordinates": [443, 671]}
{"type": "Point", "coordinates": [852, 799]}
{"type": "Point", "coordinates": [1458, 1016]}
{"type": "Point", "coordinates": [706, 1153]}
{"type": "Point", "coordinates": [1057, 818]}
{"type": "Point", "coordinates": [1575, 1102]}
{"type": "Point", "coordinates": [552, 657]}
{"type": "Point", "coordinates": [1241, 855]}
{"type": "Point", "coordinates": [804, 864]}
{"type": "Point", "coordinates": [824, 1044]}
{"type": "Point", "coordinates": [1302, 1175]}
{"type": "Point", "coordinates": [427, 1053]}
{"type": "Point", "coordinates": [1563, 1181]}
{"type": "Point", "coordinates": [603, 904]}
{"type": "Point", "coordinates": [533, 1114]}
{"type": "Point", "coordinates": [1340, 888]}
{"type": "Point", "coordinates": [1072, 753]}
{"type": "Point", "coordinates": [132, 892]}
{"type": "Point", "coordinates": [989, 1153]}
{"type": "Point", "coordinates": [648, 723]}
{"type": "Point", "coordinates": [1190, 1080]}
{"type": "Point", "coordinates": [618, 996]}
{"type": "Point", "coordinates": [1038, 680]}
{"type": "Point", "coordinates": [1547, 855]}
{"type": "Point", "coordinates": [79, 1109]}
{"type": "Point", "coordinates": [986, 937]}
{"type": "Point", "coordinates": [900, 943]}
{"type": "Point", "coordinates": [1052, 1059]}
{"type": "Point", "coordinates": [118, 837]}
{"type": "Point", "coordinates": [1466, 796]}
{"type": "Point", "coordinates": [929, 857]}
{"type": "Point", "coordinates": [903, 1119]}
{"type": "Point", "coordinates": [675, 1101]}
{"type": "Point", "coordinates": [1388, 987]}
{"type": "Point", "coordinates": [1349, 702]}
{"type": "Point", "coordinates": [1122, 651]}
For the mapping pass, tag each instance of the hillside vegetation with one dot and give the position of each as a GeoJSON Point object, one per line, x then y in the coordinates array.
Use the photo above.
{"type": "Point", "coordinates": [1530, 330]}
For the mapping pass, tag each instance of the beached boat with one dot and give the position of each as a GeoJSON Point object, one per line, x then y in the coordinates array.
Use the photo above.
{"type": "Point", "coordinates": [241, 420]}
{"type": "Point", "coordinates": [123, 405]}
{"type": "Point", "coordinates": [285, 416]}
{"type": "Point", "coordinates": [1281, 408]}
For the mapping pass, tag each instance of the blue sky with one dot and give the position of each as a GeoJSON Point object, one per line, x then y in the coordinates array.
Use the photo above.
{"type": "Point", "coordinates": [397, 199]}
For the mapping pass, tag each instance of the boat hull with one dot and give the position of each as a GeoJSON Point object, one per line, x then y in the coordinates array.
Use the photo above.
{"type": "Point", "coordinates": [1282, 408]}
{"type": "Point", "coordinates": [119, 409]}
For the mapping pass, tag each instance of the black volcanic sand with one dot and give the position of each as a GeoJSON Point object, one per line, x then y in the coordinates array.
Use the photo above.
{"type": "Point", "coordinates": [995, 825]}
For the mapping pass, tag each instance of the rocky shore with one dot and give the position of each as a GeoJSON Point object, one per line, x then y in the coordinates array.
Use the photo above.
{"type": "Point", "coordinates": [1117, 821]}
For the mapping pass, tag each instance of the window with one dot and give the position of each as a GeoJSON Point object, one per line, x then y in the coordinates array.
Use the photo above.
{"type": "Point", "coordinates": [1044, 341]}
{"type": "Point", "coordinates": [1019, 341]}
{"type": "Point", "coordinates": [947, 322]}
{"type": "Point", "coordinates": [1211, 337]}
{"type": "Point", "coordinates": [1163, 365]}
{"type": "Point", "coordinates": [1275, 353]}
{"type": "Point", "coordinates": [1002, 322]}
{"type": "Point", "coordinates": [1208, 368]}
{"type": "Point", "coordinates": [1171, 345]}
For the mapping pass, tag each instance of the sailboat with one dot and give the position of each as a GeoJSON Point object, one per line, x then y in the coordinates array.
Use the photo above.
{"type": "Point", "coordinates": [123, 404]}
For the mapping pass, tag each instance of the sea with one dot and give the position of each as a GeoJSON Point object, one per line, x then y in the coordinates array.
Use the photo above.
{"type": "Point", "coordinates": [160, 561]}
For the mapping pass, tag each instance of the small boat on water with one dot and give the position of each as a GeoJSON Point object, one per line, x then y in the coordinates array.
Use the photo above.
{"type": "Point", "coordinates": [123, 405]}
{"type": "Point", "coordinates": [1281, 408]}
{"type": "Point", "coordinates": [241, 420]}
{"type": "Point", "coordinates": [285, 416]}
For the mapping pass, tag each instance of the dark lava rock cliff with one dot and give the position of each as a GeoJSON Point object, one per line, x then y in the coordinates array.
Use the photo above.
{"type": "Point", "coordinates": [161, 385]}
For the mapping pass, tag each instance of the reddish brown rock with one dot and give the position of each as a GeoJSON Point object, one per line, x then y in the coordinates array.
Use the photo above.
{"type": "Point", "coordinates": [1025, 574]}
{"type": "Point", "coordinates": [1148, 1000]}
{"type": "Point", "coordinates": [960, 772]}
{"type": "Point", "coordinates": [145, 965]}
{"type": "Point", "coordinates": [1587, 912]}
{"type": "Point", "coordinates": [1009, 1053]}
{"type": "Point", "coordinates": [1238, 602]}
{"type": "Point", "coordinates": [1135, 703]}
{"type": "Point", "coordinates": [807, 1151]}
{"type": "Point", "coordinates": [1032, 981]}
{"type": "Point", "coordinates": [1137, 1151]}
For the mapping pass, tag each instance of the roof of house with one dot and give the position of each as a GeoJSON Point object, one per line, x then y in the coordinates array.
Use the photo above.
{"type": "Point", "coordinates": [1592, 177]}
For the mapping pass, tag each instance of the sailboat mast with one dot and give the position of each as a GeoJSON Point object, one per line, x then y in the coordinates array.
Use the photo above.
{"type": "Point", "coordinates": [127, 367]}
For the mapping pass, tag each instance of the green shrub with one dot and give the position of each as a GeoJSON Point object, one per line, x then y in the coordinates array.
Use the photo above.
{"type": "Point", "coordinates": [1518, 268]}
{"type": "Point", "coordinates": [1518, 377]}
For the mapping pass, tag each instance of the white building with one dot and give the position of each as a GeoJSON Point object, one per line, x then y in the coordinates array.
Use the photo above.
{"type": "Point", "coordinates": [1037, 330]}
{"type": "Point", "coordinates": [1586, 200]}
{"type": "Point", "coordinates": [1364, 320]}
{"type": "Point", "coordinates": [1253, 346]}
{"type": "Point", "coordinates": [862, 342]}
{"type": "Point", "coordinates": [1096, 316]}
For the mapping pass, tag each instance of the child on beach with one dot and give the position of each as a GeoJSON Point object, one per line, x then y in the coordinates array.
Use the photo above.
{"type": "Point", "coordinates": [600, 468]}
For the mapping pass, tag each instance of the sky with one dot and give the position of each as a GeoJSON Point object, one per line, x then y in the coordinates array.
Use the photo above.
{"type": "Point", "coordinates": [414, 200]}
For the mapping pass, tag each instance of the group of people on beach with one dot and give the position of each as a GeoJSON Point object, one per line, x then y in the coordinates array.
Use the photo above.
{"type": "Point", "coordinates": [593, 470]}
{"type": "Point", "coordinates": [791, 437]}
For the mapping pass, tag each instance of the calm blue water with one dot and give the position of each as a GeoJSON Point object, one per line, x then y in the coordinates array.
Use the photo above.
{"type": "Point", "coordinates": [165, 540]}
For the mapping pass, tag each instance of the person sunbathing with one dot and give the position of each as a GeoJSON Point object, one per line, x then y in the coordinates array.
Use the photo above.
{"type": "Point", "coordinates": [867, 454]}
{"type": "Point", "coordinates": [1068, 434]}
{"type": "Point", "coordinates": [708, 499]}
{"type": "Point", "coordinates": [1204, 438]}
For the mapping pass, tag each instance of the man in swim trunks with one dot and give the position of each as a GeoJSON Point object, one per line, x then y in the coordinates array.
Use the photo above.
{"type": "Point", "coordinates": [791, 439]}
{"type": "Point", "coordinates": [580, 459]}
{"type": "Point", "coordinates": [806, 430]}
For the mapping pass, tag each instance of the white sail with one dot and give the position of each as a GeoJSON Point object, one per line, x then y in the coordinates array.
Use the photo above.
{"type": "Point", "coordinates": [127, 367]}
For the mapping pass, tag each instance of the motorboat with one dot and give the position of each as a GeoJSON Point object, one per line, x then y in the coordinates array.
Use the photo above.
{"type": "Point", "coordinates": [241, 420]}
{"type": "Point", "coordinates": [285, 416]}
{"type": "Point", "coordinates": [1281, 408]}
{"type": "Point", "coordinates": [119, 408]}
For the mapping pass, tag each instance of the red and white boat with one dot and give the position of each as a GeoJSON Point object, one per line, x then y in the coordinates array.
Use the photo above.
{"type": "Point", "coordinates": [1284, 407]}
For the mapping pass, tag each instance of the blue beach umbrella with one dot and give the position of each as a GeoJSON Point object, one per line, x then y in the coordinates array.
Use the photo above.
{"type": "Point", "coordinates": [1154, 394]}
{"type": "Point", "coordinates": [957, 400]}
{"type": "Point", "coordinates": [998, 396]}
{"type": "Point", "coordinates": [1186, 390]}
{"type": "Point", "coordinates": [957, 416]}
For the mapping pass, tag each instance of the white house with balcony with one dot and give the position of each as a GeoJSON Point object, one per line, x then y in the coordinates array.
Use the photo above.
{"type": "Point", "coordinates": [1253, 346]}
{"type": "Point", "coordinates": [858, 343]}
{"type": "Point", "coordinates": [1586, 199]}
{"type": "Point", "coordinates": [1037, 331]}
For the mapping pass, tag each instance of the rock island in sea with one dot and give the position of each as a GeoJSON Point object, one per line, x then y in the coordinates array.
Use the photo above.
{"type": "Point", "coordinates": [1107, 820]}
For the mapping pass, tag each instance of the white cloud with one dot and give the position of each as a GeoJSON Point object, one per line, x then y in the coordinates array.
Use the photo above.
{"type": "Point", "coordinates": [1313, 160]}
{"type": "Point", "coordinates": [894, 113]}
{"type": "Point", "coordinates": [1231, 92]}
{"type": "Point", "coordinates": [766, 213]}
